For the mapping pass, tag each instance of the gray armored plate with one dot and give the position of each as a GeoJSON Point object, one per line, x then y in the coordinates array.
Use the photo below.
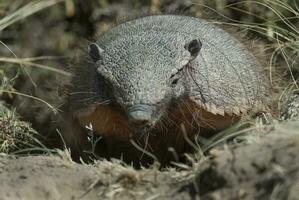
{"type": "Point", "coordinates": [140, 55]}
{"type": "Point", "coordinates": [228, 77]}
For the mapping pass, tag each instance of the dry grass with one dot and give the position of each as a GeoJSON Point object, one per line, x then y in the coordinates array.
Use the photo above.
{"type": "Point", "coordinates": [278, 25]}
{"type": "Point", "coordinates": [17, 136]}
{"type": "Point", "coordinates": [8, 20]}
{"type": "Point", "coordinates": [25, 11]}
{"type": "Point", "coordinates": [14, 134]}
{"type": "Point", "coordinates": [275, 20]}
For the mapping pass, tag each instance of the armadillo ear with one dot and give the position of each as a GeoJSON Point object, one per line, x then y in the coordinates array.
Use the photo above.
{"type": "Point", "coordinates": [95, 52]}
{"type": "Point", "coordinates": [194, 47]}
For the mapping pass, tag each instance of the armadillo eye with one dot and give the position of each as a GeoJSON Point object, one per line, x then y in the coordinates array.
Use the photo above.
{"type": "Point", "coordinates": [175, 82]}
{"type": "Point", "coordinates": [95, 52]}
{"type": "Point", "coordinates": [194, 47]}
{"type": "Point", "coordinates": [174, 79]}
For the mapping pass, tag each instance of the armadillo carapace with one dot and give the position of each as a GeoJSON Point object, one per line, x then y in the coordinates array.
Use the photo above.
{"type": "Point", "coordinates": [158, 80]}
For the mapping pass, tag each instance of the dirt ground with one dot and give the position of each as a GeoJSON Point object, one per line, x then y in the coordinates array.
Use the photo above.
{"type": "Point", "coordinates": [54, 177]}
{"type": "Point", "coordinates": [267, 168]}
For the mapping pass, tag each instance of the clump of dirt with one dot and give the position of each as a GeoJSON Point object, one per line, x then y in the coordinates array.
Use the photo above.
{"type": "Point", "coordinates": [266, 168]}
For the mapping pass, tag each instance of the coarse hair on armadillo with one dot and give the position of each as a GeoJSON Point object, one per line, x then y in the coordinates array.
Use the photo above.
{"type": "Point", "coordinates": [131, 63]}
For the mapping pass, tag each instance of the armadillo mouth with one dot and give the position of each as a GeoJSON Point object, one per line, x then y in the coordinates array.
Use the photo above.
{"type": "Point", "coordinates": [141, 115]}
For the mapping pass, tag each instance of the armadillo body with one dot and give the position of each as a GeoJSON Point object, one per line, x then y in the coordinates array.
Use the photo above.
{"type": "Point", "coordinates": [165, 77]}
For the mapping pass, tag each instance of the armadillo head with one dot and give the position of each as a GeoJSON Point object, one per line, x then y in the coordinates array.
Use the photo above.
{"type": "Point", "coordinates": [144, 73]}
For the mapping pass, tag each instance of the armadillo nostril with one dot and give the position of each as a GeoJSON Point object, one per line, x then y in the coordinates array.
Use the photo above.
{"type": "Point", "coordinates": [140, 115]}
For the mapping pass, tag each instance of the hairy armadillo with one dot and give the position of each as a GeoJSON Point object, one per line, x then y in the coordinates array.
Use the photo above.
{"type": "Point", "coordinates": [158, 80]}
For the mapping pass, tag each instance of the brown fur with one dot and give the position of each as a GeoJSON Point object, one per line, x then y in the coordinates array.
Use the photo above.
{"type": "Point", "coordinates": [176, 129]}
{"type": "Point", "coordinates": [107, 121]}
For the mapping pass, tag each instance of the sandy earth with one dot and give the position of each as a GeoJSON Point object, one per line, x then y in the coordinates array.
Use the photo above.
{"type": "Point", "coordinates": [267, 167]}
{"type": "Point", "coordinates": [51, 177]}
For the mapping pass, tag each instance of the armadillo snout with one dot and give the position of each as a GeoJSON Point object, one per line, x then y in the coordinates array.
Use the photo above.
{"type": "Point", "coordinates": [140, 115]}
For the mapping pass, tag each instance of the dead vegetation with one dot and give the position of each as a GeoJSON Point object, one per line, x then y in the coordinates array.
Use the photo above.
{"type": "Point", "coordinates": [14, 134]}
